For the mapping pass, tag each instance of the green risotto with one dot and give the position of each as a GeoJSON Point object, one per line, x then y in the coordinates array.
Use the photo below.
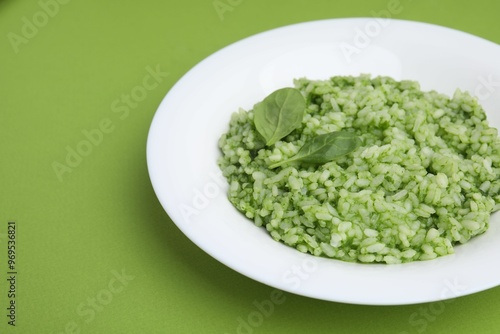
{"type": "Point", "coordinates": [364, 169]}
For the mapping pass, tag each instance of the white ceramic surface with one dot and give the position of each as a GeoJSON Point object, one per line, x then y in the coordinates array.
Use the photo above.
{"type": "Point", "coordinates": [182, 151]}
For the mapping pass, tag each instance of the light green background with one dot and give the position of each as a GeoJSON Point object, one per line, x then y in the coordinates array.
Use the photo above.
{"type": "Point", "coordinates": [103, 218]}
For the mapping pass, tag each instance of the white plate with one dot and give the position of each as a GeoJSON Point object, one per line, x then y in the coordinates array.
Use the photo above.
{"type": "Point", "coordinates": [182, 151]}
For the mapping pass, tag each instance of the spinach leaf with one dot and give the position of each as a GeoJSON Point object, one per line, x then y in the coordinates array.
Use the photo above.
{"type": "Point", "coordinates": [325, 148]}
{"type": "Point", "coordinates": [279, 114]}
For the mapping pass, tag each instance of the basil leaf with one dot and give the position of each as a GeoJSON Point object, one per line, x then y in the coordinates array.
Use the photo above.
{"type": "Point", "coordinates": [279, 114]}
{"type": "Point", "coordinates": [324, 148]}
